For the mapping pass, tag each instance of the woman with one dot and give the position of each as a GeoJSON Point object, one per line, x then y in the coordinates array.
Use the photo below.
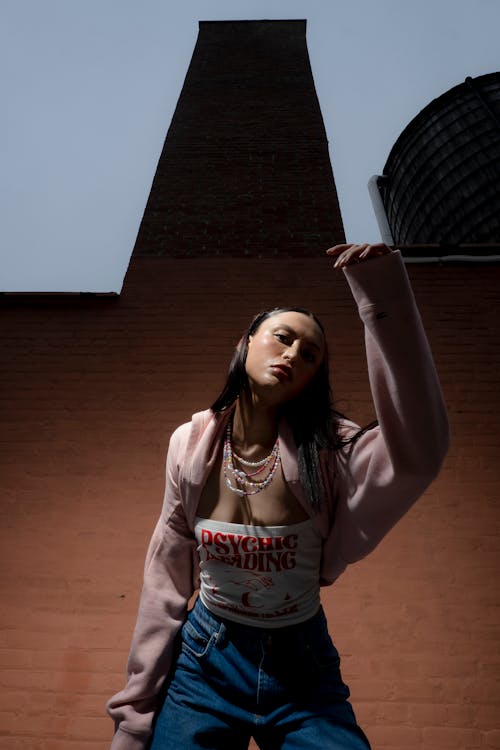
{"type": "Point", "coordinates": [269, 495]}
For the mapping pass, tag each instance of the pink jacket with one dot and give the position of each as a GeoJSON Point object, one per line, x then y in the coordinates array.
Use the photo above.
{"type": "Point", "coordinates": [372, 483]}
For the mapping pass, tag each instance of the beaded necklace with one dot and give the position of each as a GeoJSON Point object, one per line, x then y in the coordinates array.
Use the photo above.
{"type": "Point", "coordinates": [250, 486]}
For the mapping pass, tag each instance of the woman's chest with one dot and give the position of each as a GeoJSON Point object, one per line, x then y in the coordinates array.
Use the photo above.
{"type": "Point", "coordinates": [273, 505]}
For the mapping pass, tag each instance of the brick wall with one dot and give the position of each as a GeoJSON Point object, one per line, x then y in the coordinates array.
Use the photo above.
{"type": "Point", "coordinates": [92, 388]}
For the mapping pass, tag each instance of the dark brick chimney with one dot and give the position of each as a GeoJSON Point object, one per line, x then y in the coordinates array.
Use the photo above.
{"type": "Point", "coordinates": [245, 167]}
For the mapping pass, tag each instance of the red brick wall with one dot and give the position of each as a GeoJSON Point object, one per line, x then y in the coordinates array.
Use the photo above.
{"type": "Point", "coordinates": [91, 389]}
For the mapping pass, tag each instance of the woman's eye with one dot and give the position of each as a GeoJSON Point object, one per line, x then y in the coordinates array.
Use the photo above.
{"type": "Point", "coordinates": [284, 337]}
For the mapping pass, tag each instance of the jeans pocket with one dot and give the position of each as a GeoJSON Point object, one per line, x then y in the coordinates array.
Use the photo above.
{"type": "Point", "coordinates": [321, 653]}
{"type": "Point", "coordinates": [322, 673]}
{"type": "Point", "coordinates": [196, 642]}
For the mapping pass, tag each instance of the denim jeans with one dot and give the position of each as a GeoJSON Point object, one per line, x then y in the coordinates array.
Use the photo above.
{"type": "Point", "coordinates": [232, 682]}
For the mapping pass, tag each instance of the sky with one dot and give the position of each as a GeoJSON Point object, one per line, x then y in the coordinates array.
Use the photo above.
{"type": "Point", "coordinates": [89, 88]}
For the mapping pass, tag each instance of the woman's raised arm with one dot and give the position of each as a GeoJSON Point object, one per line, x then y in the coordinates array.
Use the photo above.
{"type": "Point", "coordinates": [390, 466]}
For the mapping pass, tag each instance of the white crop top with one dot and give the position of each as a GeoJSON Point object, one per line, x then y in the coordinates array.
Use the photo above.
{"type": "Point", "coordinates": [267, 576]}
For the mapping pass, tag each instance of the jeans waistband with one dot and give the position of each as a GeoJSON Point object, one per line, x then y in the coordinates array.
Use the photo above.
{"type": "Point", "coordinates": [236, 629]}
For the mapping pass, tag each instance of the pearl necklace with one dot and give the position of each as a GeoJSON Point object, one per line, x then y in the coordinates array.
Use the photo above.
{"type": "Point", "coordinates": [250, 486]}
{"type": "Point", "coordinates": [251, 464]}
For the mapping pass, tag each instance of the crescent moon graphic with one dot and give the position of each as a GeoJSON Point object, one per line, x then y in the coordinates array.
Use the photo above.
{"type": "Point", "coordinates": [245, 600]}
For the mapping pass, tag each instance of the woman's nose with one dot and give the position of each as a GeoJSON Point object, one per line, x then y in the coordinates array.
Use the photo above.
{"type": "Point", "coordinates": [291, 353]}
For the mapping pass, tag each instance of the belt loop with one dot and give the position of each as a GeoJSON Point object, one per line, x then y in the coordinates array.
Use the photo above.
{"type": "Point", "coordinates": [267, 641]}
{"type": "Point", "coordinates": [220, 635]}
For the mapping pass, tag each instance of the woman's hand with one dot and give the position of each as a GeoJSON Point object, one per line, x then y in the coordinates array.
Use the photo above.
{"type": "Point", "coordinates": [348, 253]}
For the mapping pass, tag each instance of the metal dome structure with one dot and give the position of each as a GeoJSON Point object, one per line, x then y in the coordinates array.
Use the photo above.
{"type": "Point", "coordinates": [441, 181]}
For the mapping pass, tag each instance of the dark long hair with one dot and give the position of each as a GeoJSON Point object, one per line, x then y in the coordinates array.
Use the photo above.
{"type": "Point", "coordinates": [313, 420]}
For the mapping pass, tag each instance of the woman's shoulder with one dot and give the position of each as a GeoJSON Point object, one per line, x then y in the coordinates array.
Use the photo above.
{"type": "Point", "coordinates": [197, 423]}
{"type": "Point", "coordinates": [348, 434]}
{"type": "Point", "coordinates": [187, 436]}
{"type": "Point", "coordinates": [346, 428]}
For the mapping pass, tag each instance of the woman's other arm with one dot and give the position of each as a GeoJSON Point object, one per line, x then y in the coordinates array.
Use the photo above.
{"type": "Point", "coordinates": [168, 576]}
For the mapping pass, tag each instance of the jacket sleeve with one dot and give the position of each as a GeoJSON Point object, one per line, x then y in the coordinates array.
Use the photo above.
{"type": "Point", "coordinates": [168, 576]}
{"type": "Point", "coordinates": [380, 476]}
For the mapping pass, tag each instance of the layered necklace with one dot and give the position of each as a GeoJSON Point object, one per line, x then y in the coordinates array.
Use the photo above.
{"type": "Point", "coordinates": [245, 477]}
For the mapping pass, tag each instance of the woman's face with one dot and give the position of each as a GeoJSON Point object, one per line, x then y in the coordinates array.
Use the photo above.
{"type": "Point", "coordinates": [284, 355]}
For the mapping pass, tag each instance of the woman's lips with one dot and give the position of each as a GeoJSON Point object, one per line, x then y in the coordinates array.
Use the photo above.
{"type": "Point", "coordinates": [282, 372]}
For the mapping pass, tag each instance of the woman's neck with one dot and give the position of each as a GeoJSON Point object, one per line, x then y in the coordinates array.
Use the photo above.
{"type": "Point", "coordinates": [255, 426]}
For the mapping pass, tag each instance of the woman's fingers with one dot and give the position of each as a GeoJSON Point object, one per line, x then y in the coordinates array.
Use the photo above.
{"type": "Point", "coordinates": [347, 253]}
{"type": "Point", "coordinates": [338, 249]}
